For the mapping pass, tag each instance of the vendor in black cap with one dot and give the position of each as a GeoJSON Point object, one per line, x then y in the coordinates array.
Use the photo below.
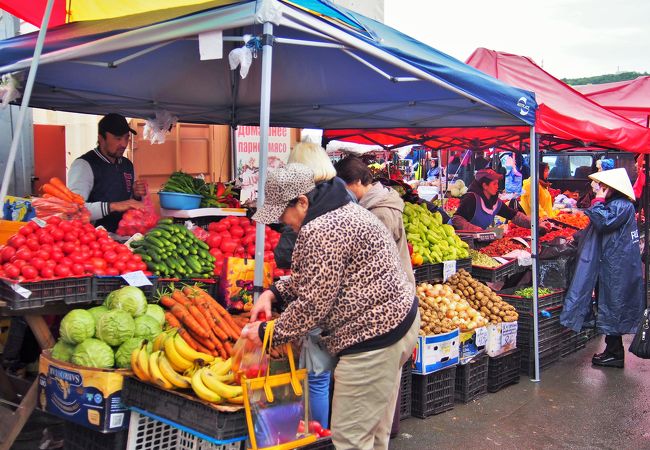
{"type": "Point", "coordinates": [104, 178]}
{"type": "Point", "coordinates": [481, 204]}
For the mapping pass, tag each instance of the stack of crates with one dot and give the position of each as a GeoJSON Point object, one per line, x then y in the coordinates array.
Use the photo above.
{"type": "Point", "coordinates": [433, 393]}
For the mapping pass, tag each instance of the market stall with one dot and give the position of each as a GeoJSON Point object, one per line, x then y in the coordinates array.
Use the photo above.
{"type": "Point", "coordinates": [133, 64]}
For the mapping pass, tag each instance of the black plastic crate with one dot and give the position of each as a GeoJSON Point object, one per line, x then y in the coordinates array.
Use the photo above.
{"type": "Point", "coordinates": [405, 388]}
{"type": "Point", "coordinates": [548, 330]}
{"type": "Point", "coordinates": [67, 290]}
{"type": "Point", "coordinates": [503, 370]}
{"type": "Point", "coordinates": [76, 437]}
{"type": "Point", "coordinates": [104, 285]}
{"type": "Point", "coordinates": [320, 444]}
{"type": "Point", "coordinates": [494, 274]}
{"type": "Point", "coordinates": [433, 393]}
{"type": "Point", "coordinates": [526, 345]}
{"type": "Point", "coordinates": [548, 356]}
{"type": "Point", "coordinates": [471, 379]}
{"type": "Point", "coordinates": [423, 273]}
{"type": "Point", "coordinates": [192, 413]}
{"type": "Point", "coordinates": [524, 306]}
{"type": "Point", "coordinates": [432, 273]}
{"type": "Point", "coordinates": [571, 342]}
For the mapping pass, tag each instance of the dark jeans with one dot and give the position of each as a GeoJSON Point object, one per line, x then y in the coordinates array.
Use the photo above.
{"type": "Point", "coordinates": [614, 346]}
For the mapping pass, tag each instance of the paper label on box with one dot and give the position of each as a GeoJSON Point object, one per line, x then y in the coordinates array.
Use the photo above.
{"type": "Point", "coordinates": [448, 269]}
{"type": "Point", "coordinates": [137, 279]}
{"type": "Point", "coordinates": [23, 292]}
{"type": "Point", "coordinates": [508, 333]}
{"type": "Point", "coordinates": [501, 260]}
{"type": "Point", "coordinates": [481, 336]}
{"type": "Point", "coordinates": [40, 222]}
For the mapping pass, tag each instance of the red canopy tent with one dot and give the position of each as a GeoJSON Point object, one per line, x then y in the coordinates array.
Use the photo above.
{"type": "Point", "coordinates": [565, 117]}
{"type": "Point", "coordinates": [630, 99]}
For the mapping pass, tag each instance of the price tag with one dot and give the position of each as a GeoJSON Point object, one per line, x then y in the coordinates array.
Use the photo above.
{"type": "Point", "coordinates": [448, 269]}
{"type": "Point", "coordinates": [481, 336]}
{"type": "Point", "coordinates": [501, 260]}
{"type": "Point", "coordinates": [508, 333]}
{"type": "Point", "coordinates": [137, 279]}
{"type": "Point", "coordinates": [523, 241]}
{"type": "Point", "coordinates": [23, 292]}
{"type": "Point", "coordinates": [40, 222]}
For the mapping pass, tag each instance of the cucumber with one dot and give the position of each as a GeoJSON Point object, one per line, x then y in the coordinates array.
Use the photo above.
{"type": "Point", "coordinates": [166, 221]}
{"type": "Point", "coordinates": [193, 264]}
{"type": "Point", "coordinates": [154, 241]}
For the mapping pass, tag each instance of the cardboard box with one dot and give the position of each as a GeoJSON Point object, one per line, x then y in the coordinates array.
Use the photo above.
{"type": "Point", "coordinates": [436, 352]}
{"type": "Point", "coordinates": [502, 337]}
{"type": "Point", "coordinates": [86, 396]}
{"type": "Point", "coordinates": [472, 343]}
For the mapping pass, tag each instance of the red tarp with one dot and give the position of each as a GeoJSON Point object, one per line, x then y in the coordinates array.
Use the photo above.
{"type": "Point", "coordinates": [564, 116]}
{"type": "Point", "coordinates": [630, 99]}
{"type": "Point", "coordinates": [32, 11]}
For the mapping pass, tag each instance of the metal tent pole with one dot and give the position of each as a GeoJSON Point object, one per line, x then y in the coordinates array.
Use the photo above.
{"type": "Point", "coordinates": [645, 196]}
{"type": "Point", "coordinates": [265, 115]}
{"type": "Point", "coordinates": [534, 224]}
{"type": "Point", "coordinates": [25, 102]}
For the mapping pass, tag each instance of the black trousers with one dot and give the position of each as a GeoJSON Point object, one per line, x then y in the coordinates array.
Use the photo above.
{"type": "Point", "coordinates": [614, 345]}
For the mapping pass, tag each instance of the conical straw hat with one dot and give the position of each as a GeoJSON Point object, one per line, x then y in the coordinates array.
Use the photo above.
{"type": "Point", "coordinates": [616, 179]}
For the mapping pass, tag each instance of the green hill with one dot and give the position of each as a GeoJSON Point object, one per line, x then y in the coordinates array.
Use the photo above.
{"type": "Point", "coordinates": [600, 79]}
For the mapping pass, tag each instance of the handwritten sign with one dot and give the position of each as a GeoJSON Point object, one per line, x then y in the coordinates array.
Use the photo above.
{"type": "Point", "coordinates": [137, 279]}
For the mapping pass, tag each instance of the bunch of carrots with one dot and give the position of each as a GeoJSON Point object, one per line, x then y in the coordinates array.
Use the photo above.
{"type": "Point", "coordinates": [57, 189]}
{"type": "Point", "coordinates": [202, 322]}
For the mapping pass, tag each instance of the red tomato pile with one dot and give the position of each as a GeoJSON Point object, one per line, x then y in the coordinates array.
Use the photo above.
{"type": "Point", "coordinates": [235, 236]}
{"type": "Point", "coordinates": [562, 232]}
{"type": "Point", "coordinates": [63, 249]}
{"type": "Point", "coordinates": [136, 221]}
{"type": "Point", "coordinates": [501, 247]}
{"type": "Point", "coordinates": [515, 231]}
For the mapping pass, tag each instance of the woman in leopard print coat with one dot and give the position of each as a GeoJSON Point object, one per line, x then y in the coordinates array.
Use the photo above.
{"type": "Point", "coordinates": [347, 279]}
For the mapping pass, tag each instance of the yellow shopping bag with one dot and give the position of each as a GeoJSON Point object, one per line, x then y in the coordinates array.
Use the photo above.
{"type": "Point", "coordinates": [276, 404]}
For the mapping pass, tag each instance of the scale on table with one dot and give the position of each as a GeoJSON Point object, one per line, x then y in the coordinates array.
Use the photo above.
{"type": "Point", "coordinates": [481, 236]}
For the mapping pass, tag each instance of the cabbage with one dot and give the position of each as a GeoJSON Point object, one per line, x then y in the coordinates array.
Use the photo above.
{"type": "Point", "coordinates": [157, 313]}
{"type": "Point", "coordinates": [77, 326]}
{"type": "Point", "coordinates": [123, 354]}
{"type": "Point", "coordinates": [62, 350]}
{"type": "Point", "coordinates": [147, 327]}
{"type": "Point", "coordinates": [115, 327]}
{"type": "Point", "coordinates": [129, 298]}
{"type": "Point", "coordinates": [97, 312]}
{"type": "Point", "coordinates": [93, 353]}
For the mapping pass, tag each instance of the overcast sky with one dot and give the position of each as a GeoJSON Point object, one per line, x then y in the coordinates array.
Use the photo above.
{"type": "Point", "coordinates": [569, 38]}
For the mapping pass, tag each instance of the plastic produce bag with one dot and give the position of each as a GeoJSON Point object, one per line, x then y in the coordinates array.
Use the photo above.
{"type": "Point", "coordinates": [50, 207]}
{"type": "Point", "coordinates": [138, 220]}
{"type": "Point", "coordinates": [275, 404]}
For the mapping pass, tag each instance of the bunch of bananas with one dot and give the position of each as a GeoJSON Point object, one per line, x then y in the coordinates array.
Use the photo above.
{"type": "Point", "coordinates": [173, 364]}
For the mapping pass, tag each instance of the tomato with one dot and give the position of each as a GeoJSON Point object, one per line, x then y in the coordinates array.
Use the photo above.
{"type": "Point", "coordinates": [236, 232]}
{"type": "Point", "coordinates": [315, 427]}
{"type": "Point", "coordinates": [112, 271]}
{"type": "Point", "coordinates": [11, 270]}
{"type": "Point", "coordinates": [71, 236]}
{"type": "Point", "coordinates": [213, 240]}
{"type": "Point", "coordinates": [62, 270]}
{"type": "Point", "coordinates": [94, 245]}
{"type": "Point", "coordinates": [267, 245]}
{"type": "Point", "coordinates": [68, 248]}
{"type": "Point", "coordinates": [277, 273]}
{"type": "Point", "coordinates": [301, 426]}
{"type": "Point", "coordinates": [98, 263]}
{"type": "Point", "coordinates": [97, 253]}
{"type": "Point", "coordinates": [132, 266]}
{"type": "Point", "coordinates": [77, 258]}
{"type": "Point", "coordinates": [50, 263]}
{"type": "Point", "coordinates": [124, 257]}
{"type": "Point", "coordinates": [106, 242]}
{"type": "Point", "coordinates": [88, 266]}
{"type": "Point", "coordinates": [54, 220]}
{"type": "Point", "coordinates": [269, 256]}
{"type": "Point", "coordinates": [65, 226]}
{"type": "Point", "coordinates": [57, 234]}
{"type": "Point", "coordinates": [77, 269]}
{"type": "Point", "coordinates": [7, 253]}
{"type": "Point", "coordinates": [98, 271]}
{"type": "Point", "coordinates": [38, 263]}
{"type": "Point", "coordinates": [85, 238]}
{"type": "Point", "coordinates": [29, 272]}
{"type": "Point", "coordinates": [25, 230]}
{"type": "Point", "coordinates": [45, 238]}
{"type": "Point", "coordinates": [47, 272]}
{"type": "Point", "coordinates": [142, 266]}
{"type": "Point", "coordinates": [57, 256]}
{"type": "Point", "coordinates": [120, 248]}
{"type": "Point", "coordinates": [325, 433]}
{"type": "Point", "coordinates": [24, 253]}
{"type": "Point", "coordinates": [19, 263]}
{"type": "Point", "coordinates": [16, 241]}
{"type": "Point", "coordinates": [46, 247]}
{"type": "Point", "coordinates": [228, 246]}
{"type": "Point", "coordinates": [251, 251]}
{"type": "Point", "coordinates": [110, 256]}
{"type": "Point", "coordinates": [216, 253]}
{"type": "Point", "coordinates": [120, 266]}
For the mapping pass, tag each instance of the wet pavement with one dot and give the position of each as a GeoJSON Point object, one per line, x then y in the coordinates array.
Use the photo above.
{"type": "Point", "coordinates": [575, 406]}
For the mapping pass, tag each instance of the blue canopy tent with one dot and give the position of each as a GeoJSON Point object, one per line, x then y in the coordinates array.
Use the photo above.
{"type": "Point", "coordinates": [322, 67]}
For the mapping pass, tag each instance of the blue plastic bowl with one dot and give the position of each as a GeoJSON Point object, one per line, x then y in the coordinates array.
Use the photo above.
{"type": "Point", "coordinates": [176, 200]}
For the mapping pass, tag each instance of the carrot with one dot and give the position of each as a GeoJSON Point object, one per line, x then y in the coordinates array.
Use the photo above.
{"type": "Point", "coordinates": [188, 338]}
{"type": "Point", "coordinates": [57, 183]}
{"type": "Point", "coordinates": [200, 347]}
{"type": "Point", "coordinates": [167, 301]}
{"type": "Point", "coordinates": [56, 192]}
{"type": "Point", "coordinates": [205, 342]}
{"type": "Point", "coordinates": [196, 313]}
{"type": "Point", "coordinates": [180, 297]}
{"type": "Point", "coordinates": [171, 319]}
{"type": "Point", "coordinates": [232, 328]}
{"type": "Point", "coordinates": [228, 348]}
{"type": "Point", "coordinates": [205, 310]}
{"type": "Point", "coordinates": [188, 320]}
{"type": "Point", "coordinates": [221, 322]}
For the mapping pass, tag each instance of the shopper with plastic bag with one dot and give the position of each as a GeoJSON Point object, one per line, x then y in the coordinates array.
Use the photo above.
{"type": "Point", "coordinates": [346, 277]}
{"type": "Point", "coordinates": [544, 196]}
{"type": "Point", "coordinates": [608, 254]}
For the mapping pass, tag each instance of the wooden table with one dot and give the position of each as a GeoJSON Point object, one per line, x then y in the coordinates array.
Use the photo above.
{"type": "Point", "coordinates": [13, 421]}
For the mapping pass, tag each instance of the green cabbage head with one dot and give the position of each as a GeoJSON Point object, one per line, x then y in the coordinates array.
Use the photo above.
{"type": "Point", "coordinates": [129, 298]}
{"type": "Point", "coordinates": [147, 327]}
{"type": "Point", "coordinates": [123, 354]}
{"type": "Point", "coordinates": [156, 312]}
{"type": "Point", "coordinates": [62, 350]}
{"type": "Point", "coordinates": [115, 327]}
{"type": "Point", "coordinates": [77, 326]}
{"type": "Point", "coordinates": [97, 312]}
{"type": "Point", "coordinates": [93, 353]}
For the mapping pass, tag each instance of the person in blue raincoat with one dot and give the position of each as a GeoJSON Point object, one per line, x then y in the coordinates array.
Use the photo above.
{"type": "Point", "coordinates": [608, 254]}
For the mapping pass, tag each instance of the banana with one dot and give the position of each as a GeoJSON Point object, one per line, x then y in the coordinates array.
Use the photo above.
{"type": "Point", "coordinates": [179, 363]}
{"type": "Point", "coordinates": [201, 390]}
{"type": "Point", "coordinates": [221, 368]}
{"type": "Point", "coordinates": [228, 378]}
{"type": "Point", "coordinates": [188, 352]}
{"type": "Point", "coordinates": [159, 341]}
{"type": "Point", "coordinates": [143, 361]}
{"type": "Point", "coordinates": [157, 377]}
{"type": "Point", "coordinates": [170, 374]}
{"type": "Point", "coordinates": [139, 372]}
{"type": "Point", "coordinates": [224, 390]}
{"type": "Point", "coordinates": [237, 400]}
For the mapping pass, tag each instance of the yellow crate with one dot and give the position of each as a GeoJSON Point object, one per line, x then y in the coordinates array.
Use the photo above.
{"type": "Point", "coordinates": [7, 229]}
